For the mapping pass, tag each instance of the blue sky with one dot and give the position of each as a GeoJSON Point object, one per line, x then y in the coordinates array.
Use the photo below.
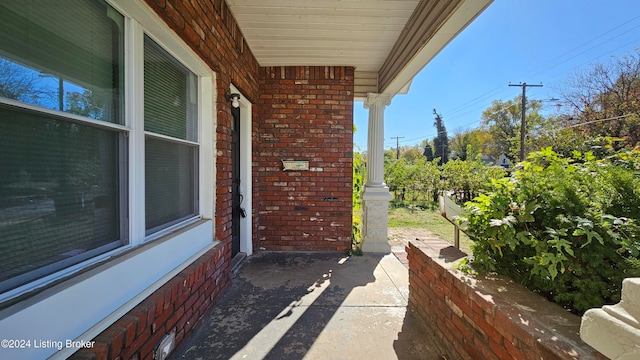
{"type": "Point", "coordinates": [512, 41]}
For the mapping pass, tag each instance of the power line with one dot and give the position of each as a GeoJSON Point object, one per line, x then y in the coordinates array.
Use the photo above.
{"type": "Point", "coordinates": [489, 93]}
{"type": "Point", "coordinates": [468, 107]}
{"type": "Point", "coordinates": [581, 53]}
{"type": "Point", "coordinates": [508, 106]}
{"type": "Point", "coordinates": [505, 107]}
{"type": "Point", "coordinates": [595, 121]}
{"type": "Point", "coordinates": [474, 101]}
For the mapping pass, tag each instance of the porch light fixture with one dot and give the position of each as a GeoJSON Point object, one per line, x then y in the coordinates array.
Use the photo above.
{"type": "Point", "coordinates": [233, 97]}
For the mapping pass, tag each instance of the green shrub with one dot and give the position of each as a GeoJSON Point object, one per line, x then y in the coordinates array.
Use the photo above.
{"type": "Point", "coordinates": [359, 170]}
{"type": "Point", "coordinates": [465, 179]}
{"type": "Point", "coordinates": [565, 228]}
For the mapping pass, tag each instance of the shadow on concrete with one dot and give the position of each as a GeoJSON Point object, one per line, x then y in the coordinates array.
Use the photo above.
{"type": "Point", "coordinates": [278, 305]}
{"type": "Point", "coordinates": [418, 341]}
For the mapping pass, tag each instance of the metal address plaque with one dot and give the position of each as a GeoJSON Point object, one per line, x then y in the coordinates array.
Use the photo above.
{"type": "Point", "coordinates": [294, 165]}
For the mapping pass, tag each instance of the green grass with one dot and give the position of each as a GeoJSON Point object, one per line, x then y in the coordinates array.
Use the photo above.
{"type": "Point", "coordinates": [428, 219]}
{"type": "Point", "coordinates": [415, 218]}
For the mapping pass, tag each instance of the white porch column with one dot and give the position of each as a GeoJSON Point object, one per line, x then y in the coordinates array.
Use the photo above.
{"type": "Point", "coordinates": [376, 195]}
{"type": "Point", "coordinates": [614, 330]}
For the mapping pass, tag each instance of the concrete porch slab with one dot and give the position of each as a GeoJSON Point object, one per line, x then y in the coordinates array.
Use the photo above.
{"type": "Point", "coordinates": [314, 306]}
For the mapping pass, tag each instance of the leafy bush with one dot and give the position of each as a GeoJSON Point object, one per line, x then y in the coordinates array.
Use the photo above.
{"type": "Point", "coordinates": [359, 169]}
{"type": "Point", "coordinates": [465, 179]}
{"type": "Point", "coordinates": [415, 179]}
{"type": "Point", "coordinates": [411, 179]}
{"type": "Point", "coordinates": [565, 228]}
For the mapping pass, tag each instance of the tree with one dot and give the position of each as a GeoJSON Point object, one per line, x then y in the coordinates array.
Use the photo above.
{"type": "Point", "coordinates": [396, 177]}
{"type": "Point", "coordinates": [411, 177]}
{"type": "Point", "coordinates": [441, 141]}
{"type": "Point", "coordinates": [604, 100]}
{"type": "Point", "coordinates": [411, 153]}
{"type": "Point", "coordinates": [468, 144]}
{"type": "Point", "coordinates": [458, 145]}
{"type": "Point", "coordinates": [20, 83]}
{"type": "Point", "coordinates": [479, 141]}
{"type": "Point", "coordinates": [428, 151]}
{"type": "Point", "coordinates": [502, 122]}
{"type": "Point", "coordinates": [87, 103]}
{"type": "Point", "coordinates": [465, 179]}
{"type": "Point", "coordinates": [555, 132]}
{"type": "Point", "coordinates": [359, 170]}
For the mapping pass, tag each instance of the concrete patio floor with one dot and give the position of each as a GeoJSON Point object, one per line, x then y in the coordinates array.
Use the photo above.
{"type": "Point", "coordinates": [314, 306]}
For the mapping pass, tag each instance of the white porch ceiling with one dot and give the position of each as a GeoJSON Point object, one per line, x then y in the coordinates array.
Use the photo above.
{"type": "Point", "coordinates": [387, 41]}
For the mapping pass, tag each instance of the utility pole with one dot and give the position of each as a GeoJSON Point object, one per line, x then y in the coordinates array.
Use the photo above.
{"type": "Point", "coordinates": [442, 143]}
{"type": "Point", "coordinates": [398, 145]}
{"type": "Point", "coordinates": [522, 122]}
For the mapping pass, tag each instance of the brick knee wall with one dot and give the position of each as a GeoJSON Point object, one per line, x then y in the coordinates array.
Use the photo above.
{"type": "Point", "coordinates": [178, 306]}
{"type": "Point", "coordinates": [487, 317]}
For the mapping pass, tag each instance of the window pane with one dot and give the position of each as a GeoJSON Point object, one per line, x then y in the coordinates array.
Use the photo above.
{"type": "Point", "coordinates": [170, 183]}
{"type": "Point", "coordinates": [170, 95]}
{"type": "Point", "coordinates": [59, 194]}
{"type": "Point", "coordinates": [64, 55]}
{"type": "Point", "coordinates": [170, 99]}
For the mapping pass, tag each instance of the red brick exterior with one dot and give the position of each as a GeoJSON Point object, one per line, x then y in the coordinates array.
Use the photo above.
{"type": "Point", "coordinates": [306, 113]}
{"type": "Point", "coordinates": [299, 113]}
{"type": "Point", "coordinates": [211, 31]}
{"type": "Point", "coordinates": [178, 306]}
{"type": "Point", "coordinates": [487, 318]}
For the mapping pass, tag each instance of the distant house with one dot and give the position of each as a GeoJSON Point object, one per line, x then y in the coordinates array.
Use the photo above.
{"type": "Point", "coordinates": [504, 161]}
{"type": "Point", "coordinates": [487, 159]}
{"type": "Point", "coordinates": [143, 144]}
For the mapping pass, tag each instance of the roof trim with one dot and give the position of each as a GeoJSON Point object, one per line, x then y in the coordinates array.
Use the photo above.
{"type": "Point", "coordinates": [426, 20]}
{"type": "Point", "coordinates": [398, 72]}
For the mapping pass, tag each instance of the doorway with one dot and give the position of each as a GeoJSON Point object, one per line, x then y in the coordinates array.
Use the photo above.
{"type": "Point", "coordinates": [241, 175]}
{"type": "Point", "coordinates": [236, 194]}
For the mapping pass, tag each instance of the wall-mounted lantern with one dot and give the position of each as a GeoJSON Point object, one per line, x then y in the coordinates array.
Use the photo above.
{"type": "Point", "coordinates": [233, 98]}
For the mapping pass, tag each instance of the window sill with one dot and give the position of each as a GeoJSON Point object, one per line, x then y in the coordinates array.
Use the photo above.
{"type": "Point", "coordinates": [83, 305]}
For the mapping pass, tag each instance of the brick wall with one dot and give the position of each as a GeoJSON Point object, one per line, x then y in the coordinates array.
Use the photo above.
{"type": "Point", "coordinates": [302, 113]}
{"type": "Point", "coordinates": [210, 30]}
{"type": "Point", "coordinates": [178, 306]}
{"type": "Point", "coordinates": [305, 113]}
{"type": "Point", "coordinates": [487, 317]}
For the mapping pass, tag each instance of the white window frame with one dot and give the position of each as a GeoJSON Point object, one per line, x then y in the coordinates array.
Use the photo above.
{"type": "Point", "coordinates": [123, 132]}
{"type": "Point", "coordinates": [205, 128]}
{"type": "Point", "coordinates": [90, 300]}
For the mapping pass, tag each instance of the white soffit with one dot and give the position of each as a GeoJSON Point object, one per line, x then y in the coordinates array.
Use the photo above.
{"type": "Point", "coordinates": [358, 33]}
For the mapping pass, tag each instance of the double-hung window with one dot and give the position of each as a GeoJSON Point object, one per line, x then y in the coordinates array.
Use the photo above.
{"type": "Point", "coordinates": [171, 148]}
{"type": "Point", "coordinates": [67, 138]}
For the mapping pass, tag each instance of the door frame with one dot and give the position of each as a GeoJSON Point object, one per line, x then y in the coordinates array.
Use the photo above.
{"type": "Point", "coordinates": [246, 178]}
